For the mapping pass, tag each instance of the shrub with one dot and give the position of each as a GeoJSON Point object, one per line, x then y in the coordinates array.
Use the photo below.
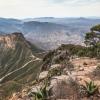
{"type": "Point", "coordinates": [42, 93]}
{"type": "Point", "coordinates": [91, 88]}
{"type": "Point", "coordinates": [55, 72]}
{"type": "Point", "coordinates": [10, 87]}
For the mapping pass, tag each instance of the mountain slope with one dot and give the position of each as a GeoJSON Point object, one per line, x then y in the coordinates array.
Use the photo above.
{"type": "Point", "coordinates": [16, 59]}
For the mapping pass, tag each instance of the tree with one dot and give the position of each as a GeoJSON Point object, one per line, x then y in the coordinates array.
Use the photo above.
{"type": "Point", "coordinates": [92, 38]}
{"type": "Point", "coordinates": [96, 28]}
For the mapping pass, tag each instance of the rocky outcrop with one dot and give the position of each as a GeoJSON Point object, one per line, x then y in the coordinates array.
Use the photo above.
{"type": "Point", "coordinates": [68, 85]}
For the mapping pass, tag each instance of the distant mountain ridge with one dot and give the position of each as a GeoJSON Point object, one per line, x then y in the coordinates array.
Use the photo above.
{"type": "Point", "coordinates": [48, 32]}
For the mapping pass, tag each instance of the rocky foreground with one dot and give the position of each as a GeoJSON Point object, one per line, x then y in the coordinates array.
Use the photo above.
{"type": "Point", "coordinates": [65, 82]}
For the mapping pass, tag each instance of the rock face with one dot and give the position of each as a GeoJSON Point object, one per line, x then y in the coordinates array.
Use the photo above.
{"type": "Point", "coordinates": [9, 41]}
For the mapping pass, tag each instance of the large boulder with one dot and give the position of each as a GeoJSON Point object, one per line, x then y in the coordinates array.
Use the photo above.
{"type": "Point", "coordinates": [63, 87]}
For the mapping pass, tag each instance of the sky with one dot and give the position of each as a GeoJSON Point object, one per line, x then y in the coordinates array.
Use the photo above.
{"type": "Point", "coordinates": [49, 8]}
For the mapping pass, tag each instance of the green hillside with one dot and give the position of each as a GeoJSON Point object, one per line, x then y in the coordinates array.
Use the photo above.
{"type": "Point", "coordinates": [17, 61]}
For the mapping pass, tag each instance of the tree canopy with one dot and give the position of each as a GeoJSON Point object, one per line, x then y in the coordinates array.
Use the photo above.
{"type": "Point", "coordinates": [92, 38]}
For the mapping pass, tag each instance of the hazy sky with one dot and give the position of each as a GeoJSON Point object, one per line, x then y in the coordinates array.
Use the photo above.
{"type": "Point", "coordinates": [49, 8]}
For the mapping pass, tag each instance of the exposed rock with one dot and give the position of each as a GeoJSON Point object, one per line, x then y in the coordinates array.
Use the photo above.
{"type": "Point", "coordinates": [62, 87]}
{"type": "Point", "coordinates": [55, 66]}
{"type": "Point", "coordinates": [81, 69]}
{"type": "Point", "coordinates": [8, 41]}
{"type": "Point", "coordinates": [16, 96]}
{"type": "Point", "coordinates": [35, 88]}
{"type": "Point", "coordinates": [20, 96]}
{"type": "Point", "coordinates": [43, 75]}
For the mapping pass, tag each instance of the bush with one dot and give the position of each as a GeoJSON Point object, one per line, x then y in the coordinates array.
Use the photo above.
{"type": "Point", "coordinates": [10, 87]}
{"type": "Point", "coordinates": [42, 93]}
{"type": "Point", "coordinates": [55, 72]}
{"type": "Point", "coordinates": [91, 88]}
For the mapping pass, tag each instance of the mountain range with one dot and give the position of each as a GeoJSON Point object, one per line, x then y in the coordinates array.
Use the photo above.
{"type": "Point", "coordinates": [48, 32]}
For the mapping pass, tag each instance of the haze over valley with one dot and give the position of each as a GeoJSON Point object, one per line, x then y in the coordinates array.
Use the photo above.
{"type": "Point", "coordinates": [49, 32]}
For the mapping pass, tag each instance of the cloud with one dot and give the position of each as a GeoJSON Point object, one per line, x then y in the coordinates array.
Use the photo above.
{"type": "Point", "coordinates": [46, 8]}
{"type": "Point", "coordinates": [74, 2]}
